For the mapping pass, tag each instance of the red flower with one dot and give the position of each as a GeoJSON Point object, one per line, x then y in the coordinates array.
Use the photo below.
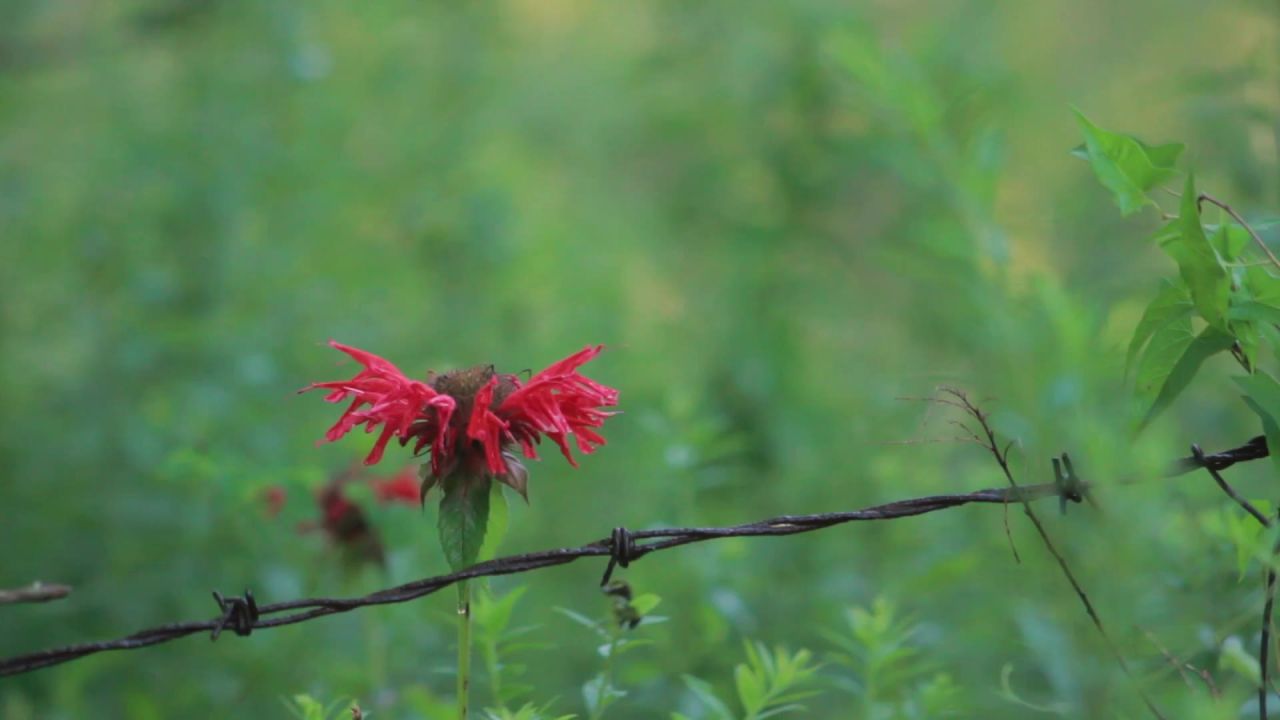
{"type": "Point", "coordinates": [470, 418]}
{"type": "Point", "coordinates": [404, 488]}
{"type": "Point", "coordinates": [274, 498]}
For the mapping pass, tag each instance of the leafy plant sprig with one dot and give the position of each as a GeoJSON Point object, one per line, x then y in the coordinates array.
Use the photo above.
{"type": "Point", "coordinates": [768, 684]}
{"type": "Point", "coordinates": [1224, 297]}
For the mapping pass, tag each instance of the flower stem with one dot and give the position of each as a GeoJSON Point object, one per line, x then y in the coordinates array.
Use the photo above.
{"type": "Point", "coordinates": [464, 647]}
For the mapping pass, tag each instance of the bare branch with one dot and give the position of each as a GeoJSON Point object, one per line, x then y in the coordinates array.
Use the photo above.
{"type": "Point", "coordinates": [1206, 198]}
{"type": "Point", "coordinates": [34, 593]}
{"type": "Point", "coordinates": [1002, 459]}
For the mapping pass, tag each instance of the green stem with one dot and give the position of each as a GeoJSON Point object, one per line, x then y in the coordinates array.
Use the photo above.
{"type": "Point", "coordinates": [464, 647]}
{"type": "Point", "coordinates": [606, 674]}
{"type": "Point", "coordinates": [377, 651]}
{"type": "Point", "coordinates": [492, 666]}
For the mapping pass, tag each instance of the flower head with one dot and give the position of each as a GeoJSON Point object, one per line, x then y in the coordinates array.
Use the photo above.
{"type": "Point", "coordinates": [470, 420]}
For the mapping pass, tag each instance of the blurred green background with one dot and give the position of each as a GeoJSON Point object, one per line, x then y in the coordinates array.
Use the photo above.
{"type": "Point", "coordinates": [781, 218]}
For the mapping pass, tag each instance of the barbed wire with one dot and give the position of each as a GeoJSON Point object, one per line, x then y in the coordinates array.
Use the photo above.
{"type": "Point", "coordinates": [243, 615]}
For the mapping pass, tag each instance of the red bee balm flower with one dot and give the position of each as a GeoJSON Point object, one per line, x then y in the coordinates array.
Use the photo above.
{"type": "Point", "coordinates": [404, 487]}
{"type": "Point", "coordinates": [470, 418]}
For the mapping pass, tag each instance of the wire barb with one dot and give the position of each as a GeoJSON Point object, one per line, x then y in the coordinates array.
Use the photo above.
{"type": "Point", "coordinates": [1070, 488]}
{"type": "Point", "coordinates": [622, 550]}
{"type": "Point", "coordinates": [238, 613]}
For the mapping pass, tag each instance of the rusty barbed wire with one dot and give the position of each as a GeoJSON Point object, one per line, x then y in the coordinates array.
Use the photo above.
{"type": "Point", "coordinates": [244, 615]}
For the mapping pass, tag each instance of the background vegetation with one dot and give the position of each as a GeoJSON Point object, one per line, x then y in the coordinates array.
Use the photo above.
{"type": "Point", "coordinates": [780, 217]}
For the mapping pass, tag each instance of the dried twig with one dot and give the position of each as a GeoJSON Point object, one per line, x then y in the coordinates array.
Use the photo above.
{"type": "Point", "coordinates": [1182, 667]}
{"type": "Point", "coordinates": [1002, 459]}
{"type": "Point", "coordinates": [34, 593]}
{"type": "Point", "coordinates": [1206, 198]}
{"type": "Point", "coordinates": [1268, 605]}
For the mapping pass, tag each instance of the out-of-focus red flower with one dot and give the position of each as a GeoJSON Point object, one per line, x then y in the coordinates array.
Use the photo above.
{"type": "Point", "coordinates": [405, 487]}
{"type": "Point", "coordinates": [470, 418]}
{"type": "Point", "coordinates": [345, 524]}
{"type": "Point", "coordinates": [274, 498]}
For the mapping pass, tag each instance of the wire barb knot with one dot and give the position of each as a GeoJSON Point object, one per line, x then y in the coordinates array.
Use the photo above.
{"type": "Point", "coordinates": [1068, 483]}
{"type": "Point", "coordinates": [238, 613]}
{"type": "Point", "coordinates": [622, 550]}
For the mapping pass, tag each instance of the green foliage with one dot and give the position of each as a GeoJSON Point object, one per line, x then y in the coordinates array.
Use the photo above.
{"type": "Point", "coordinates": [770, 683]}
{"type": "Point", "coordinates": [890, 674]}
{"type": "Point", "coordinates": [1252, 543]}
{"type": "Point", "coordinates": [1126, 166]}
{"type": "Point", "coordinates": [1262, 395]}
{"type": "Point", "coordinates": [528, 711]}
{"type": "Point", "coordinates": [495, 522]}
{"type": "Point", "coordinates": [1216, 284]}
{"type": "Point", "coordinates": [1198, 262]}
{"type": "Point", "coordinates": [500, 641]}
{"type": "Point", "coordinates": [626, 613]}
{"type": "Point", "coordinates": [305, 707]}
{"type": "Point", "coordinates": [464, 518]}
{"type": "Point", "coordinates": [1011, 696]}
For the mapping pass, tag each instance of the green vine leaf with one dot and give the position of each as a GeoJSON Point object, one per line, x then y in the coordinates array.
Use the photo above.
{"type": "Point", "coordinates": [1255, 312]}
{"type": "Point", "coordinates": [1125, 165]}
{"type": "Point", "coordinates": [1198, 262]}
{"type": "Point", "coordinates": [464, 517]}
{"type": "Point", "coordinates": [1262, 395]}
{"type": "Point", "coordinates": [1171, 304]}
{"type": "Point", "coordinates": [1208, 343]}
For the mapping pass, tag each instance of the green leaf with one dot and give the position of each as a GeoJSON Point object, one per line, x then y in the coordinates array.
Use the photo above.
{"type": "Point", "coordinates": [598, 694]}
{"type": "Point", "coordinates": [1231, 238]}
{"type": "Point", "coordinates": [1198, 262]}
{"type": "Point", "coordinates": [703, 690]}
{"type": "Point", "coordinates": [498, 518]}
{"type": "Point", "coordinates": [1234, 657]}
{"type": "Point", "coordinates": [1262, 395]}
{"type": "Point", "coordinates": [751, 690]}
{"type": "Point", "coordinates": [1171, 303]}
{"type": "Point", "coordinates": [492, 614]}
{"type": "Point", "coordinates": [464, 516]}
{"type": "Point", "coordinates": [1229, 241]}
{"type": "Point", "coordinates": [1256, 312]}
{"type": "Point", "coordinates": [1208, 343]}
{"type": "Point", "coordinates": [584, 621]}
{"type": "Point", "coordinates": [1168, 343]}
{"type": "Point", "coordinates": [1126, 166]}
{"type": "Point", "coordinates": [646, 603]}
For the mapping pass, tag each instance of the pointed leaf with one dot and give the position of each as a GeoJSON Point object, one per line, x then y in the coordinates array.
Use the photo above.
{"type": "Point", "coordinates": [1126, 166]}
{"type": "Point", "coordinates": [751, 691]}
{"type": "Point", "coordinates": [1168, 344]}
{"type": "Point", "coordinates": [1171, 303]}
{"type": "Point", "coordinates": [703, 690]}
{"type": "Point", "coordinates": [1256, 312]}
{"type": "Point", "coordinates": [781, 710]}
{"type": "Point", "coordinates": [464, 516]}
{"type": "Point", "coordinates": [1208, 343]}
{"type": "Point", "coordinates": [1198, 263]}
{"type": "Point", "coordinates": [1262, 395]}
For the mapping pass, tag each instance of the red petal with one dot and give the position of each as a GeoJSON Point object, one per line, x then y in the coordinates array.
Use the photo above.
{"type": "Point", "coordinates": [380, 395]}
{"type": "Point", "coordinates": [558, 402]}
{"type": "Point", "coordinates": [488, 428]}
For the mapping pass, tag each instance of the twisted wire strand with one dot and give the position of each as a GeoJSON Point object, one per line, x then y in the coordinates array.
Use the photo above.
{"type": "Point", "coordinates": [623, 547]}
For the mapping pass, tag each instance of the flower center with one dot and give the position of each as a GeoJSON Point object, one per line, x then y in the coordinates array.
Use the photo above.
{"type": "Point", "coordinates": [462, 386]}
